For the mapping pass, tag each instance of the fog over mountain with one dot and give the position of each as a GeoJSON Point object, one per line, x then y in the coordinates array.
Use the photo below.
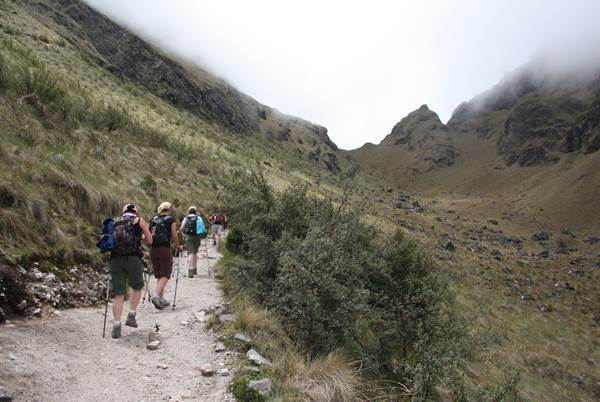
{"type": "Point", "coordinates": [359, 67]}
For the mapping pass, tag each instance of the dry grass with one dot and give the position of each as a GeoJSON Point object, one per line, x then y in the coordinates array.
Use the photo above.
{"type": "Point", "coordinates": [333, 378]}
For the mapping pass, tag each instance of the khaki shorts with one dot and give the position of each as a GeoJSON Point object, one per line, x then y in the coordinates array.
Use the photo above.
{"type": "Point", "coordinates": [192, 244]}
{"type": "Point", "coordinates": [162, 261]}
{"type": "Point", "coordinates": [126, 269]}
{"type": "Point", "coordinates": [217, 230]}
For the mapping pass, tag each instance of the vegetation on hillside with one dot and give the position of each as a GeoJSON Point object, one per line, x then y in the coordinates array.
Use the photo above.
{"type": "Point", "coordinates": [335, 284]}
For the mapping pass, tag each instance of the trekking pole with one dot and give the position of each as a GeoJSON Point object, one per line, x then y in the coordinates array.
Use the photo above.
{"type": "Point", "coordinates": [176, 279]}
{"type": "Point", "coordinates": [145, 290]}
{"type": "Point", "coordinates": [106, 306]}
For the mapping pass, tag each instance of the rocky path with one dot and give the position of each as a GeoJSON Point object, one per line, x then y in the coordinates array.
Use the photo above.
{"type": "Point", "coordinates": [65, 358]}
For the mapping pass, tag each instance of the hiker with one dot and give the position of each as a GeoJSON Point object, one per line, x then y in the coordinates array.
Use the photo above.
{"type": "Point", "coordinates": [126, 265]}
{"type": "Point", "coordinates": [193, 231]}
{"type": "Point", "coordinates": [164, 231]}
{"type": "Point", "coordinates": [217, 227]}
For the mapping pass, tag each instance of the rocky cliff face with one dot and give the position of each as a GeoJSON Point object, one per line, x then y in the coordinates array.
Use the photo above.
{"type": "Point", "coordinates": [130, 58]}
{"type": "Point", "coordinates": [535, 117]}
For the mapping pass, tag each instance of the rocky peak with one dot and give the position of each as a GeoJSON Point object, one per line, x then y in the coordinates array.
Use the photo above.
{"type": "Point", "coordinates": [415, 128]}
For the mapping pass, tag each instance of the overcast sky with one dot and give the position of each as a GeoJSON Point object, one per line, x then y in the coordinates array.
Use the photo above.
{"type": "Point", "coordinates": [358, 67]}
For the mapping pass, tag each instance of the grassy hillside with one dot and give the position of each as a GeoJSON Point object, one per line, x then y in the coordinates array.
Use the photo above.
{"type": "Point", "coordinates": [82, 134]}
{"type": "Point", "coordinates": [77, 142]}
{"type": "Point", "coordinates": [524, 162]}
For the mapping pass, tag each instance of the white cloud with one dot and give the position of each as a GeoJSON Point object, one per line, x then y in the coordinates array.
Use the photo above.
{"type": "Point", "coordinates": [357, 67]}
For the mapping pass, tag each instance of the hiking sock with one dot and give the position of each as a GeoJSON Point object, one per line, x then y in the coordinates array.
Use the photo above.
{"type": "Point", "coordinates": [116, 323]}
{"type": "Point", "coordinates": [132, 312]}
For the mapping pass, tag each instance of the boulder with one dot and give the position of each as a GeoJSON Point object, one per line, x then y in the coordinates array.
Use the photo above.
{"type": "Point", "coordinates": [263, 386]}
{"type": "Point", "coordinates": [257, 359]}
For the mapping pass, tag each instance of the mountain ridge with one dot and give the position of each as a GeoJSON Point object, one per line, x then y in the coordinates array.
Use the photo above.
{"type": "Point", "coordinates": [193, 89]}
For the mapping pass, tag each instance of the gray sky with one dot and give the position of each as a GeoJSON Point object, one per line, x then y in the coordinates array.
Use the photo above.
{"type": "Point", "coordinates": [358, 67]}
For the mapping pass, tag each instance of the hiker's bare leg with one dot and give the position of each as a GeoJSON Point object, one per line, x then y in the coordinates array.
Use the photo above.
{"type": "Point", "coordinates": [136, 296]}
{"type": "Point", "coordinates": [194, 260]}
{"type": "Point", "coordinates": [118, 306]}
{"type": "Point", "coordinates": [160, 287]}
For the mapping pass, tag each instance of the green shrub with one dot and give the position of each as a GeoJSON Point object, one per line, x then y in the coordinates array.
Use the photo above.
{"type": "Point", "coordinates": [335, 283]}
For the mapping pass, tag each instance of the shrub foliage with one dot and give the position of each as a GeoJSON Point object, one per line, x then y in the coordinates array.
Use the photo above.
{"type": "Point", "coordinates": [336, 283]}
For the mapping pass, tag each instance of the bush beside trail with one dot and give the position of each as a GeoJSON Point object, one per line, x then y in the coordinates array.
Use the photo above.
{"type": "Point", "coordinates": [335, 283]}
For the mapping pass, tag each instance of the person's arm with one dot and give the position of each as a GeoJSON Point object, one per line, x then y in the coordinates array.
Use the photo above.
{"type": "Point", "coordinates": [183, 223]}
{"type": "Point", "coordinates": [145, 231]}
{"type": "Point", "coordinates": [175, 237]}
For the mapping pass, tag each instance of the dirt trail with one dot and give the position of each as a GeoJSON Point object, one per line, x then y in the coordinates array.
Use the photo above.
{"type": "Point", "coordinates": [65, 358]}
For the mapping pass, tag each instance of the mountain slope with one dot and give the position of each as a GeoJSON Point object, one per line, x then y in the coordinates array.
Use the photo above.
{"type": "Point", "coordinates": [131, 59]}
{"type": "Point", "coordinates": [534, 134]}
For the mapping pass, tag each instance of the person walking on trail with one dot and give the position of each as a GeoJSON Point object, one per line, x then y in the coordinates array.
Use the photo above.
{"type": "Point", "coordinates": [217, 227]}
{"type": "Point", "coordinates": [193, 230]}
{"type": "Point", "coordinates": [126, 265]}
{"type": "Point", "coordinates": [164, 232]}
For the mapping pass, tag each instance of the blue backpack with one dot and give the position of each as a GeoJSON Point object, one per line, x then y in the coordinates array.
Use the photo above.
{"type": "Point", "coordinates": [200, 229]}
{"type": "Point", "coordinates": [107, 239]}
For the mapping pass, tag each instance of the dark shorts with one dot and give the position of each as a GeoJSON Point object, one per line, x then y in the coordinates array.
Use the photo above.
{"type": "Point", "coordinates": [192, 244]}
{"type": "Point", "coordinates": [162, 261]}
{"type": "Point", "coordinates": [124, 270]}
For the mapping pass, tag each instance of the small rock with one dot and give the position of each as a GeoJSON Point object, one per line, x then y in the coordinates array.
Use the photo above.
{"type": "Point", "coordinates": [448, 245]}
{"type": "Point", "coordinates": [184, 323]}
{"type": "Point", "coordinates": [251, 369]}
{"type": "Point", "coordinates": [201, 316]}
{"type": "Point", "coordinates": [37, 312]}
{"type": "Point", "coordinates": [219, 347]}
{"type": "Point", "coordinates": [592, 239]}
{"type": "Point", "coordinates": [242, 338]}
{"type": "Point", "coordinates": [162, 366]}
{"type": "Point", "coordinates": [526, 297]}
{"type": "Point", "coordinates": [56, 313]}
{"type": "Point", "coordinates": [263, 386]}
{"type": "Point", "coordinates": [154, 345]}
{"type": "Point", "coordinates": [207, 371]}
{"type": "Point", "coordinates": [257, 359]}
{"type": "Point", "coordinates": [492, 221]}
{"type": "Point", "coordinates": [12, 357]}
{"type": "Point", "coordinates": [22, 306]}
{"type": "Point", "coordinates": [226, 317]}
{"type": "Point", "coordinates": [224, 372]}
{"type": "Point", "coordinates": [5, 395]}
{"type": "Point", "coordinates": [496, 254]}
{"type": "Point", "coordinates": [540, 236]}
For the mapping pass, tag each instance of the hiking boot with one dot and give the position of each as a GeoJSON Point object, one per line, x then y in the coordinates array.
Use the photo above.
{"type": "Point", "coordinates": [156, 302]}
{"type": "Point", "coordinates": [190, 273]}
{"type": "Point", "coordinates": [195, 271]}
{"type": "Point", "coordinates": [116, 331]}
{"type": "Point", "coordinates": [131, 322]}
{"type": "Point", "coordinates": [164, 303]}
